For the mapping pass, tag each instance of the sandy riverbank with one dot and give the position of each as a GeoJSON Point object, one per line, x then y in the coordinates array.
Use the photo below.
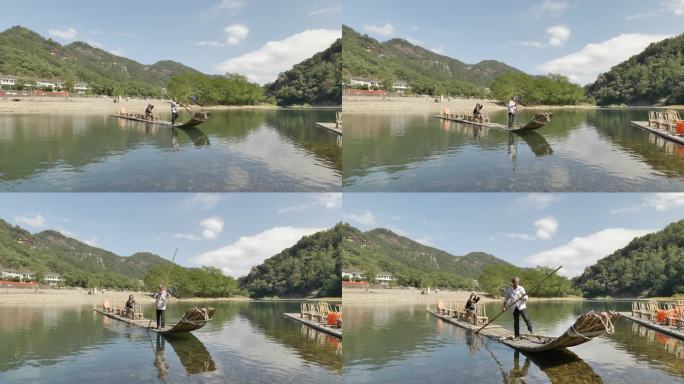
{"type": "Point", "coordinates": [361, 104]}
{"type": "Point", "coordinates": [414, 296]}
{"type": "Point", "coordinates": [97, 105]}
{"type": "Point", "coordinates": [14, 296]}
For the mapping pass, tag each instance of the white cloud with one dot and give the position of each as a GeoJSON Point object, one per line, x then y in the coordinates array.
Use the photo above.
{"type": "Point", "coordinates": [639, 16]}
{"type": "Point", "coordinates": [95, 44]}
{"type": "Point", "coordinates": [546, 227]}
{"type": "Point", "coordinates": [239, 257]}
{"type": "Point", "coordinates": [386, 30]}
{"type": "Point", "coordinates": [438, 50]}
{"type": "Point", "coordinates": [414, 41]}
{"type": "Point", "coordinates": [93, 242]}
{"type": "Point", "coordinates": [66, 233]}
{"type": "Point", "coordinates": [264, 64]}
{"type": "Point", "coordinates": [64, 34]}
{"type": "Point", "coordinates": [582, 252]}
{"type": "Point", "coordinates": [230, 6]}
{"type": "Point", "coordinates": [199, 201]}
{"type": "Point", "coordinates": [658, 201]}
{"type": "Point", "coordinates": [236, 33]}
{"type": "Point", "coordinates": [549, 8]}
{"type": "Point", "coordinates": [37, 221]}
{"type": "Point", "coordinates": [425, 240]}
{"type": "Point", "coordinates": [585, 65]}
{"type": "Point", "coordinates": [320, 200]}
{"type": "Point", "coordinates": [326, 11]}
{"type": "Point", "coordinates": [212, 227]}
{"type": "Point", "coordinates": [521, 236]}
{"type": "Point", "coordinates": [537, 201]}
{"type": "Point", "coordinates": [365, 218]}
{"type": "Point", "coordinates": [674, 6]}
{"type": "Point", "coordinates": [116, 52]}
{"type": "Point", "coordinates": [558, 35]}
{"type": "Point", "coordinates": [187, 236]}
{"type": "Point", "coordinates": [210, 43]}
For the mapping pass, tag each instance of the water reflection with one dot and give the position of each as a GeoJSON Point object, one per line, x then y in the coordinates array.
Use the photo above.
{"type": "Point", "coordinates": [580, 150]}
{"type": "Point", "coordinates": [256, 150]}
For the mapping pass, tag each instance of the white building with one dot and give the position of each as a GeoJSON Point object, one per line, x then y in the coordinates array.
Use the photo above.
{"type": "Point", "coordinates": [51, 278]}
{"type": "Point", "coordinates": [384, 278]}
{"type": "Point", "coordinates": [364, 82]}
{"type": "Point", "coordinates": [21, 275]}
{"type": "Point", "coordinates": [353, 275]}
{"type": "Point", "coordinates": [56, 84]}
{"type": "Point", "coordinates": [7, 81]}
{"type": "Point", "coordinates": [81, 87]}
{"type": "Point", "coordinates": [400, 86]}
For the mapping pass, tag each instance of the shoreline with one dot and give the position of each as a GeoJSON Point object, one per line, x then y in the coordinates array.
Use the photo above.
{"type": "Point", "coordinates": [105, 105]}
{"type": "Point", "coordinates": [370, 104]}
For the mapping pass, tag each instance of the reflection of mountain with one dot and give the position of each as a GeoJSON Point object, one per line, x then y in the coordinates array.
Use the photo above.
{"type": "Point", "coordinates": [46, 334]}
{"type": "Point", "coordinates": [650, 346]}
{"type": "Point", "coordinates": [309, 345]}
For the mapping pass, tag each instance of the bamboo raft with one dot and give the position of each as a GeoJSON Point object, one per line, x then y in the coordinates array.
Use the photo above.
{"type": "Point", "coordinates": [317, 316]}
{"type": "Point", "coordinates": [586, 328]}
{"type": "Point", "coordinates": [668, 319]}
{"type": "Point", "coordinates": [538, 121]}
{"type": "Point", "coordinates": [192, 320]}
{"type": "Point", "coordinates": [659, 131]}
{"type": "Point", "coordinates": [335, 127]}
{"type": "Point", "coordinates": [197, 119]}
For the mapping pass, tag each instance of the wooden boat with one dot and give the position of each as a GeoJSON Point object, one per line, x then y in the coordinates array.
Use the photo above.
{"type": "Point", "coordinates": [192, 320]}
{"type": "Point", "coordinates": [586, 328]}
{"type": "Point", "coordinates": [538, 121]}
{"type": "Point", "coordinates": [197, 119]}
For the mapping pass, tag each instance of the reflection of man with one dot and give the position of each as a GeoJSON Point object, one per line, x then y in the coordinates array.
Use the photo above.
{"type": "Point", "coordinates": [160, 360]}
{"type": "Point", "coordinates": [518, 374]}
{"type": "Point", "coordinates": [516, 296]}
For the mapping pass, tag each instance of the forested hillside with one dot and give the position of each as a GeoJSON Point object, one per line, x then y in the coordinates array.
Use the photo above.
{"type": "Point", "coordinates": [316, 81]}
{"type": "Point", "coordinates": [427, 72]}
{"type": "Point", "coordinates": [655, 76]}
{"type": "Point", "coordinates": [652, 265]}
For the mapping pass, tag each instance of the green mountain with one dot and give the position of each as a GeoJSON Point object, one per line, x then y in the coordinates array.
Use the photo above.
{"type": "Point", "coordinates": [315, 81]}
{"type": "Point", "coordinates": [426, 71]}
{"type": "Point", "coordinates": [78, 263]}
{"type": "Point", "coordinates": [412, 263]}
{"type": "Point", "coordinates": [652, 265]}
{"type": "Point", "coordinates": [655, 76]}
{"type": "Point", "coordinates": [25, 53]}
{"type": "Point", "coordinates": [309, 268]}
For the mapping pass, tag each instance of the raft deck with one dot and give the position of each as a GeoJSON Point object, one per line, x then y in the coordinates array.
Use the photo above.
{"type": "Point", "coordinates": [658, 131]}
{"type": "Point", "coordinates": [317, 326]}
{"type": "Point", "coordinates": [332, 127]}
{"type": "Point", "coordinates": [189, 124]}
{"type": "Point", "coordinates": [666, 329]}
{"type": "Point", "coordinates": [150, 324]}
{"type": "Point", "coordinates": [487, 124]}
{"type": "Point", "coordinates": [530, 343]}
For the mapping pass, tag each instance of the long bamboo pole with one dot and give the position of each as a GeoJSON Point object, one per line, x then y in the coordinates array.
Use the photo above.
{"type": "Point", "coordinates": [168, 272]}
{"type": "Point", "coordinates": [536, 287]}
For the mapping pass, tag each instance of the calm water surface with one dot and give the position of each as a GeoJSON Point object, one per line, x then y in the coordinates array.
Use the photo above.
{"type": "Point", "coordinates": [243, 343]}
{"type": "Point", "coordinates": [242, 150]}
{"type": "Point", "coordinates": [403, 343]}
{"type": "Point", "coordinates": [581, 150]}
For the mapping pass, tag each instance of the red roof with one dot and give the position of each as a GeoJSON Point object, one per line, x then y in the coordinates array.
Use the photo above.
{"type": "Point", "coordinates": [364, 92]}
{"type": "Point", "coordinates": [16, 284]}
{"type": "Point", "coordinates": [352, 284]}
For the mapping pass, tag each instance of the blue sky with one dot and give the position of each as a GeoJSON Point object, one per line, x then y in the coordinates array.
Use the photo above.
{"type": "Point", "coordinates": [573, 230]}
{"type": "Point", "coordinates": [536, 36]}
{"type": "Point", "coordinates": [230, 231]}
{"type": "Point", "coordinates": [259, 38]}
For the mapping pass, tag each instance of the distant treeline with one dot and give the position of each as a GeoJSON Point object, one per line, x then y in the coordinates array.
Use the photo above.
{"type": "Point", "coordinates": [230, 89]}
{"type": "Point", "coordinates": [537, 90]}
{"type": "Point", "coordinates": [192, 282]}
{"type": "Point", "coordinates": [496, 277]}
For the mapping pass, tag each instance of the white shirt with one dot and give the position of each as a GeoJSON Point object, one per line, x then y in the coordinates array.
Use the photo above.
{"type": "Point", "coordinates": [161, 298]}
{"type": "Point", "coordinates": [174, 107]}
{"type": "Point", "coordinates": [511, 295]}
{"type": "Point", "coordinates": [512, 107]}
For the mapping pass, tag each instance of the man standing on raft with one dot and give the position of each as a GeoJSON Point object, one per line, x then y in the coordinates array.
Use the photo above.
{"type": "Point", "coordinates": [512, 111]}
{"type": "Point", "coordinates": [516, 294]}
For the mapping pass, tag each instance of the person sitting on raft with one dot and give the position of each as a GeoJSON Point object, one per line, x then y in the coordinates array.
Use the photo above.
{"type": "Point", "coordinates": [470, 306]}
{"type": "Point", "coordinates": [516, 294]}
{"type": "Point", "coordinates": [148, 112]}
{"type": "Point", "coordinates": [477, 112]}
{"type": "Point", "coordinates": [130, 306]}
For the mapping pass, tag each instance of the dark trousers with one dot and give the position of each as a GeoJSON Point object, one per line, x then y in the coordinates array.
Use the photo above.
{"type": "Point", "coordinates": [516, 320]}
{"type": "Point", "coordinates": [174, 116]}
{"type": "Point", "coordinates": [511, 120]}
{"type": "Point", "coordinates": [160, 318]}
